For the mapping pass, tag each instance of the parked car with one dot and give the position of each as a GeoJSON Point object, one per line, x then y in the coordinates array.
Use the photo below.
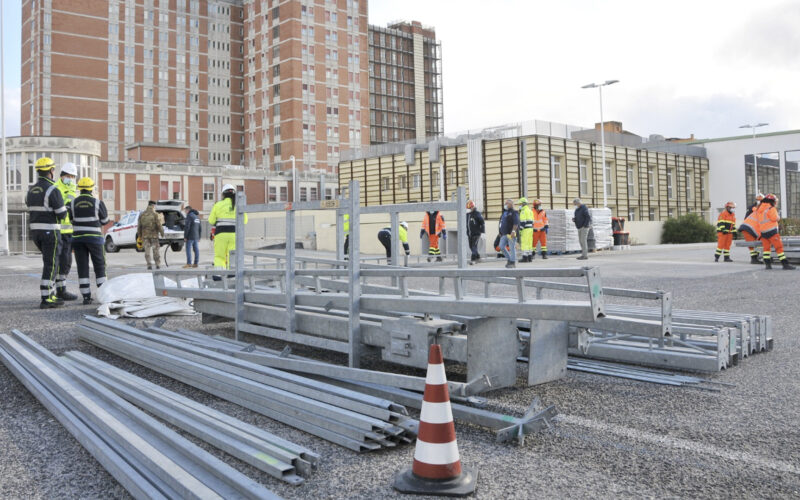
{"type": "Point", "coordinates": [123, 233]}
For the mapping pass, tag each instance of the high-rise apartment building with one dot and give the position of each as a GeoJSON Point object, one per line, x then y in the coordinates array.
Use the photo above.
{"type": "Point", "coordinates": [225, 82]}
{"type": "Point", "coordinates": [405, 86]}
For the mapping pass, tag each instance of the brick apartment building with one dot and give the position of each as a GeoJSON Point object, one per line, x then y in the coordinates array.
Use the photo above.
{"type": "Point", "coordinates": [225, 82]}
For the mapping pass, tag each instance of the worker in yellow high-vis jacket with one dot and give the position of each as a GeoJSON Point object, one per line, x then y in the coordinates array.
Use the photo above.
{"type": "Point", "coordinates": [223, 226]}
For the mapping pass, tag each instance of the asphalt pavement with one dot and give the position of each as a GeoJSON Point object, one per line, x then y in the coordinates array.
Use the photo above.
{"type": "Point", "coordinates": [614, 438]}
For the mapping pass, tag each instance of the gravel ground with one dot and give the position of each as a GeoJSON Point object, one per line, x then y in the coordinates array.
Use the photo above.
{"type": "Point", "coordinates": [614, 438]}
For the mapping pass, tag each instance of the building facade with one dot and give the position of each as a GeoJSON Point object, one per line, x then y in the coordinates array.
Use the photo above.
{"type": "Point", "coordinates": [210, 82]}
{"type": "Point", "coordinates": [405, 84]}
{"type": "Point", "coordinates": [744, 166]}
{"type": "Point", "coordinates": [641, 184]}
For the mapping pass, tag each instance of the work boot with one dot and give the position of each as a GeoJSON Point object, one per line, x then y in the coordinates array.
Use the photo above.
{"type": "Point", "coordinates": [149, 267]}
{"type": "Point", "coordinates": [754, 259]}
{"type": "Point", "coordinates": [63, 294]}
{"type": "Point", "coordinates": [510, 265]}
{"type": "Point", "coordinates": [544, 255]}
{"type": "Point", "coordinates": [87, 299]}
{"type": "Point", "coordinates": [786, 265]}
{"type": "Point", "coordinates": [51, 302]}
{"type": "Point", "coordinates": [430, 259]}
{"type": "Point", "coordinates": [716, 258]}
{"type": "Point", "coordinates": [187, 266]}
{"type": "Point", "coordinates": [768, 263]}
{"type": "Point", "coordinates": [194, 265]}
{"type": "Point", "coordinates": [727, 259]}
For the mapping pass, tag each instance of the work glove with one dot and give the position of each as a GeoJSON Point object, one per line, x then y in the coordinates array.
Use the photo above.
{"type": "Point", "coordinates": [421, 233]}
{"type": "Point", "coordinates": [444, 234]}
{"type": "Point", "coordinates": [213, 233]}
{"type": "Point", "coordinates": [546, 228]}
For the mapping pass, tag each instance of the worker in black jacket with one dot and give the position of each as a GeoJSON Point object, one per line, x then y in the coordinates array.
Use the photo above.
{"type": "Point", "coordinates": [583, 221]}
{"type": "Point", "coordinates": [89, 215]}
{"type": "Point", "coordinates": [476, 226]}
{"type": "Point", "coordinates": [47, 211]}
{"type": "Point", "coordinates": [191, 236]}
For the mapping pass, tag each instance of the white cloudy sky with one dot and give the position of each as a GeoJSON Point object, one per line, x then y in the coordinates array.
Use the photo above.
{"type": "Point", "coordinates": [701, 66]}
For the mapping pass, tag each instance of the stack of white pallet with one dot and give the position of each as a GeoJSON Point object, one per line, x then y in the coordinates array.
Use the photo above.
{"type": "Point", "coordinates": [563, 235]}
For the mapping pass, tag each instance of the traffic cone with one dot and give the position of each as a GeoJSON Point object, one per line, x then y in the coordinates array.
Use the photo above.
{"type": "Point", "coordinates": [437, 466]}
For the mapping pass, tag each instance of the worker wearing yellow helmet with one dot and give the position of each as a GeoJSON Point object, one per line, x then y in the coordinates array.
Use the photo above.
{"type": "Point", "coordinates": [47, 210]}
{"type": "Point", "coordinates": [89, 215]}
{"type": "Point", "coordinates": [223, 230]}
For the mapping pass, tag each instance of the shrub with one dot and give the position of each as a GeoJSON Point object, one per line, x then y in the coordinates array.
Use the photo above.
{"type": "Point", "coordinates": [789, 227]}
{"type": "Point", "coordinates": [689, 228]}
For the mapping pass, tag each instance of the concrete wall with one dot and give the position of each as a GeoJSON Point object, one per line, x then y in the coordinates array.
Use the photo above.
{"type": "Point", "coordinates": [644, 232]}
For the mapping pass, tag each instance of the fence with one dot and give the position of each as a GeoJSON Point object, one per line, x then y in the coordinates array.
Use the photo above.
{"type": "Point", "coordinates": [18, 235]}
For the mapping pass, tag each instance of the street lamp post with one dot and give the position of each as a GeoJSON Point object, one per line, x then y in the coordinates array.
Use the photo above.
{"type": "Point", "coordinates": [4, 248]}
{"type": "Point", "coordinates": [755, 155]}
{"type": "Point", "coordinates": [599, 87]}
{"type": "Point", "coordinates": [294, 179]}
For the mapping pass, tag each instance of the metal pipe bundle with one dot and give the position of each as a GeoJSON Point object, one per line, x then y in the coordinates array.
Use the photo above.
{"type": "Point", "coordinates": [148, 459]}
{"type": "Point", "coordinates": [349, 418]}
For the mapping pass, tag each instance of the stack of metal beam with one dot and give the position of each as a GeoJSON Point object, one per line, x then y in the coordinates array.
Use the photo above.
{"type": "Point", "coordinates": [705, 341]}
{"type": "Point", "coordinates": [146, 457]}
{"type": "Point", "coordinates": [346, 417]}
{"type": "Point", "coordinates": [403, 389]}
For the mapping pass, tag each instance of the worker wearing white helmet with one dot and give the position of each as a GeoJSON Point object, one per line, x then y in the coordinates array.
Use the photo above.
{"type": "Point", "coordinates": [223, 226]}
{"type": "Point", "coordinates": [66, 184]}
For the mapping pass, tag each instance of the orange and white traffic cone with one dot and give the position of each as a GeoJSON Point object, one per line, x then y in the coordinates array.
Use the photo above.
{"type": "Point", "coordinates": [437, 466]}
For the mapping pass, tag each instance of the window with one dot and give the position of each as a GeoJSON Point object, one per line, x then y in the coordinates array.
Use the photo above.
{"type": "Point", "coordinates": [702, 188]}
{"type": "Point", "coordinates": [386, 184]}
{"type": "Point", "coordinates": [284, 193]}
{"type": "Point", "coordinates": [651, 182]}
{"type": "Point", "coordinates": [652, 214]}
{"type": "Point", "coordinates": [108, 189]}
{"type": "Point", "coordinates": [609, 179]}
{"type": "Point", "coordinates": [632, 213]}
{"type": "Point", "coordinates": [142, 190]}
{"type": "Point", "coordinates": [583, 176]}
{"type": "Point", "coordinates": [671, 213]}
{"type": "Point", "coordinates": [312, 194]}
{"type": "Point", "coordinates": [14, 172]}
{"type": "Point", "coordinates": [208, 192]}
{"type": "Point", "coordinates": [415, 181]}
{"type": "Point", "coordinates": [273, 193]}
{"type": "Point", "coordinates": [631, 180]}
{"type": "Point", "coordinates": [303, 194]}
{"type": "Point", "coordinates": [176, 190]}
{"type": "Point", "coordinates": [688, 184]}
{"type": "Point", "coordinates": [555, 174]}
{"type": "Point", "coordinates": [402, 182]}
{"type": "Point", "coordinates": [670, 190]}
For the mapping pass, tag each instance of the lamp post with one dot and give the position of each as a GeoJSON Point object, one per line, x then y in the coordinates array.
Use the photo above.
{"type": "Point", "coordinates": [4, 248]}
{"type": "Point", "coordinates": [599, 87]}
{"type": "Point", "coordinates": [755, 159]}
{"type": "Point", "coordinates": [294, 179]}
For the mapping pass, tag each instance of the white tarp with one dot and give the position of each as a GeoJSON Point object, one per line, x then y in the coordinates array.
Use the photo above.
{"type": "Point", "coordinates": [134, 296]}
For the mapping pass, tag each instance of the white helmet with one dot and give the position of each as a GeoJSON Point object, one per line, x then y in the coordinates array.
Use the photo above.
{"type": "Point", "coordinates": [228, 187]}
{"type": "Point", "coordinates": [404, 224]}
{"type": "Point", "coordinates": [69, 168]}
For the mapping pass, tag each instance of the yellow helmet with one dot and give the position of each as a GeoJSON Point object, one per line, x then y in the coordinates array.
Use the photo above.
{"type": "Point", "coordinates": [44, 164]}
{"type": "Point", "coordinates": [86, 183]}
{"type": "Point", "coordinates": [523, 201]}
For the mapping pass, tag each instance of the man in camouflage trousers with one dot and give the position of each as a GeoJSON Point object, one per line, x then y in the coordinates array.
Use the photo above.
{"type": "Point", "coordinates": [149, 229]}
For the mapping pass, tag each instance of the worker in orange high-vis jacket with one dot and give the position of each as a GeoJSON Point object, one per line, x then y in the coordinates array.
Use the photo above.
{"type": "Point", "coordinates": [540, 226]}
{"type": "Point", "coordinates": [768, 222]}
{"type": "Point", "coordinates": [726, 226]}
{"type": "Point", "coordinates": [751, 230]}
{"type": "Point", "coordinates": [433, 226]}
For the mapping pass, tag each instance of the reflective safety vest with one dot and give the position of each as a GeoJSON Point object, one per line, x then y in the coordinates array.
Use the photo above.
{"type": "Point", "coordinates": [540, 220]}
{"type": "Point", "coordinates": [768, 220]}
{"type": "Point", "coordinates": [726, 222]}
{"type": "Point", "coordinates": [68, 193]}
{"type": "Point", "coordinates": [89, 215]}
{"type": "Point", "coordinates": [751, 225]}
{"type": "Point", "coordinates": [223, 216]}
{"type": "Point", "coordinates": [46, 205]}
{"type": "Point", "coordinates": [433, 223]}
{"type": "Point", "coordinates": [346, 224]}
{"type": "Point", "coordinates": [525, 217]}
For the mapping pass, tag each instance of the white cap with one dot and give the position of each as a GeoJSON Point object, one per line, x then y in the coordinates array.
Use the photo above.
{"type": "Point", "coordinates": [69, 168]}
{"type": "Point", "coordinates": [228, 187]}
{"type": "Point", "coordinates": [404, 224]}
